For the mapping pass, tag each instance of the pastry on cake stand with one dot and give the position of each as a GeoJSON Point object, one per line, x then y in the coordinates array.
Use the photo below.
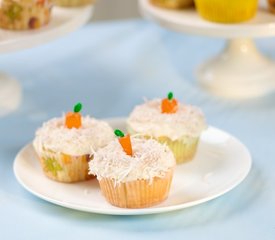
{"type": "Point", "coordinates": [63, 21]}
{"type": "Point", "coordinates": [240, 71]}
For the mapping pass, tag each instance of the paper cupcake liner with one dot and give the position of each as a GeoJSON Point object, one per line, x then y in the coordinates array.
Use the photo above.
{"type": "Point", "coordinates": [232, 11]}
{"type": "Point", "coordinates": [64, 168]}
{"type": "Point", "coordinates": [72, 3]}
{"type": "Point", "coordinates": [16, 15]}
{"type": "Point", "coordinates": [136, 194]}
{"type": "Point", "coordinates": [174, 4]}
{"type": "Point", "coordinates": [184, 149]}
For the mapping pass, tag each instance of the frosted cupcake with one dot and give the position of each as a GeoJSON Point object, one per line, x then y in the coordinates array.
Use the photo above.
{"type": "Point", "coordinates": [174, 4]}
{"type": "Point", "coordinates": [133, 172]}
{"type": "Point", "coordinates": [170, 122]}
{"type": "Point", "coordinates": [227, 11]}
{"type": "Point", "coordinates": [73, 3]}
{"type": "Point", "coordinates": [65, 145]}
{"type": "Point", "coordinates": [24, 14]}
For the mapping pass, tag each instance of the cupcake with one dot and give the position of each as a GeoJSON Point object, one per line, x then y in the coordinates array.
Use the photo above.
{"type": "Point", "coordinates": [174, 4]}
{"type": "Point", "coordinates": [24, 14]}
{"type": "Point", "coordinates": [224, 11]}
{"type": "Point", "coordinates": [72, 3]}
{"type": "Point", "coordinates": [65, 145]}
{"type": "Point", "coordinates": [168, 121]}
{"type": "Point", "coordinates": [133, 172]}
{"type": "Point", "coordinates": [271, 6]}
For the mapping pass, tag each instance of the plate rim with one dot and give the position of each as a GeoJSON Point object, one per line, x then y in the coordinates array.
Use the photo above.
{"type": "Point", "coordinates": [128, 211]}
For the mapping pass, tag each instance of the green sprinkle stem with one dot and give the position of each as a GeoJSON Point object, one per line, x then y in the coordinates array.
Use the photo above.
{"type": "Point", "coordinates": [170, 96]}
{"type": "Point", "coordinates": [119, 133]}
{"type": "Point", "coordinates": [77, 107]}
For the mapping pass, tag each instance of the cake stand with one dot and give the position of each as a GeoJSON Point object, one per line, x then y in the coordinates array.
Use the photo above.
{"type": "Point", "coordinates": [64, 20]}
{"type": "Point", "coordinates": [240, 71]}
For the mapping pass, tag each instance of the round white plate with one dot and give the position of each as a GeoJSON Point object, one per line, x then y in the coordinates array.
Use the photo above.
{"type": "Point", "coordinates": [63, 21]}
{"type": "Point", "coordinates": [221, 163]}
{"type": "Point", "coordinates": [188, 20]}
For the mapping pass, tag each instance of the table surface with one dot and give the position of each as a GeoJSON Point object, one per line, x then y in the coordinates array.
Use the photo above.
{"type": "Point", "coordinates": [110, 67]}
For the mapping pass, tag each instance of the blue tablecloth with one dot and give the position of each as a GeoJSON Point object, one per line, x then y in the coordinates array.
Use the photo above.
{"type": "Point", "coordinates": [110, 67]}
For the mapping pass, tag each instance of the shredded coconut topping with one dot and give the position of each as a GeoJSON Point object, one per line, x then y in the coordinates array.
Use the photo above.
{"type": "Point", "coordinates": [150, 159]}
{"type": "Point", "coordinates": [148, 119]}
{"type": "Point", "coordinates": [53, 135]}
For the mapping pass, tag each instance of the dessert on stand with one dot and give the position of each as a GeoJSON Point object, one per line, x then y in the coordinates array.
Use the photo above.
{"type": "Point", "coordinates": [240, 71]}
{"type": "Point", "coordinates": [62, 21]}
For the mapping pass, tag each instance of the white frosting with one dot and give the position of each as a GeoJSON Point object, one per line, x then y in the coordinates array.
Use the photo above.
{"type": "Point", "coordinates": [150, 159]}
{"type": "Point", "coordinates": [53, 135]}
{"type": "Point", "coordinates": [148, 119]}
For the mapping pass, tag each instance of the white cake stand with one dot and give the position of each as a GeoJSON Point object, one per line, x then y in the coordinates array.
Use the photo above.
{"type": "Point", "coordinates": [240, 71]}
{"type": "Point", "coordinates": [64, 20]}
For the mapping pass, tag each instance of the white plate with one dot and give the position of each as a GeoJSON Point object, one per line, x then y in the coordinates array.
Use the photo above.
{"type": "Point", "coordinates": [221, 163]}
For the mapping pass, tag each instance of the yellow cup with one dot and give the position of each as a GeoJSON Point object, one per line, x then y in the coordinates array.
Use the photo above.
{"type": "Point", "coordinates": [227, 11]}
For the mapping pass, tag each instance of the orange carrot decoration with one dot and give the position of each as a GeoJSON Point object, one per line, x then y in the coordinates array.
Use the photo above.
{"type": "Point", "coordinates": [73, 119]}
{"type": "Point", "coordinates": [125, 142]}
{"type": "Point", "coordinates": [169, 104]}
{"type": "Point", "coordinates": [40, 2]}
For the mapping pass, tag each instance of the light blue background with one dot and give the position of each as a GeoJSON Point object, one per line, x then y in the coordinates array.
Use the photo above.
{"type": "Point", "coordinates": [110, 67]}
